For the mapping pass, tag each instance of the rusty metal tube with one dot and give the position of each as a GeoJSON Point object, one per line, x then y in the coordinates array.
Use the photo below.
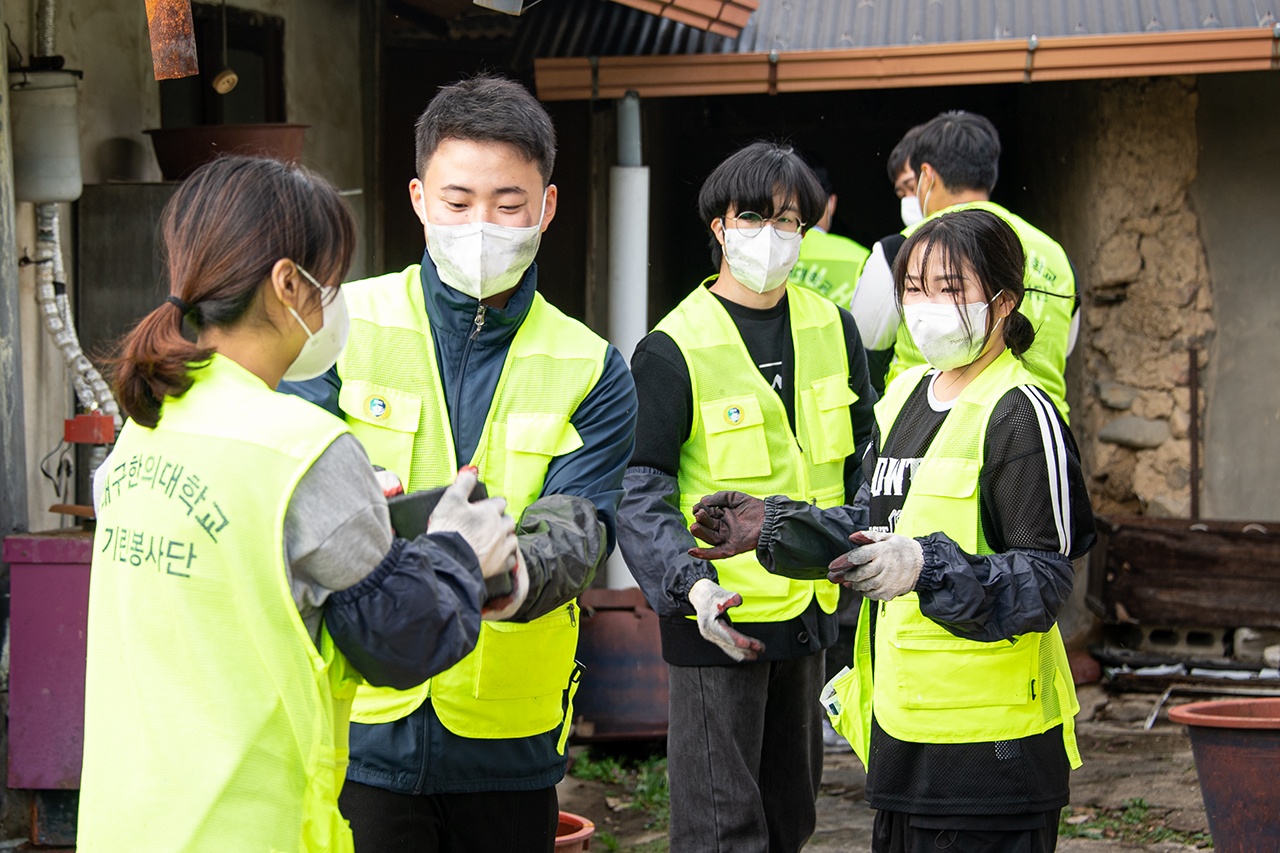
{"type": "Point", "coordinates": [173, 40]}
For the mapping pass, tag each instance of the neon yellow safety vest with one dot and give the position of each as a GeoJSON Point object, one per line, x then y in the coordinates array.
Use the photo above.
{"type": "Point", "coordinates": [741, 438]}
{"type": "Point", "coordinates": [212, 722]}
{"type": "Point", "coordinates": [513, 683]}
{"type": "Point", "coordinates": [931, 686]}
{"type": "Point", "coordinates": [829, 265]}
{"type": "Point", "coordinates": [1049, 304]}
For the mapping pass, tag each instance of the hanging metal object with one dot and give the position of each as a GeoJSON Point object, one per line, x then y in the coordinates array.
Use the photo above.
{"type": "Point", "coordinates": [173, 40]}
{"type": "Point", "coordinates": [226, 79]}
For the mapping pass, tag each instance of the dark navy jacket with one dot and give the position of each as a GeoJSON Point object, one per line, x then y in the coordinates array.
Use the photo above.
{"type": "Point", "coordinates": [417, 754]}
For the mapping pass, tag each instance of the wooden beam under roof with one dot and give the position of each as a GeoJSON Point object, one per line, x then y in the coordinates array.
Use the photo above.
{"type": "Point", "coordinates": [941, 64]}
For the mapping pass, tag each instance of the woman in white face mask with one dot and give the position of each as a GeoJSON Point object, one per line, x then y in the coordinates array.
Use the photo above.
{"type": "Point", "coordinates": [245, 571]}
{"type": "Point", "coordinates": [963, 537]}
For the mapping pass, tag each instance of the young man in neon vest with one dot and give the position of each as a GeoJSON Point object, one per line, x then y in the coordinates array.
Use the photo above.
{"type": "Point", "coordinates": [956, 159]}
{"type": "Point", "coordinates": [460, 361]}
{"type": "Point", "coordinates": [829, 264]}
{"type": "Point", "coordinates": [752, 384]}
{"type": "Point", "coordinates": [958, 699]}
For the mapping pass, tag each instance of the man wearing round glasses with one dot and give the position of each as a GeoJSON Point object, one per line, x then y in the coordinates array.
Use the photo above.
{"type": "Point", "coordinates": [751, 386]}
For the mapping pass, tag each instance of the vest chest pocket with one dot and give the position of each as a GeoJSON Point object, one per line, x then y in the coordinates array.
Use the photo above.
{"type": "Point", "coordinates": [736, 444]}
{"type": "Point", "coordinates": [941, 497]}
{"type": "Point", "coordinates": [386, 422]}
{"type": "Point", "coordinates": [826, 414]}
{"type": "Point", "coordinates": [531, 442]}
{"type": "Point", "coordinates": [936, 669]}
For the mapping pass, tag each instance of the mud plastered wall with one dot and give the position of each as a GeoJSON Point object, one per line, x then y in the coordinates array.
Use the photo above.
{"type": "Point", "coordinates": [1147, 298]}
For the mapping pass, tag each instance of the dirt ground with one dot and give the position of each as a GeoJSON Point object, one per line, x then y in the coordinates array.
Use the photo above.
{"type": "Point", "coordinates": [1134, 784]}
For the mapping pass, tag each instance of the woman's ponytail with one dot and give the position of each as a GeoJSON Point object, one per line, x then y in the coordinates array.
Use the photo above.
{"type": "Point", "coordinates": [1019, 334]}
{"type": "Point", "coordinates": [153, 364]}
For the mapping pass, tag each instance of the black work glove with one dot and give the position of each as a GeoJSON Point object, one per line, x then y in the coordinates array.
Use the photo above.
{"type": "Point", "coordinates": [728, 521]}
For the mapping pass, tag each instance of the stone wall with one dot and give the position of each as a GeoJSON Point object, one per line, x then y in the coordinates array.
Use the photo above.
{"type": "Point", "coordinates": [1147, 296]}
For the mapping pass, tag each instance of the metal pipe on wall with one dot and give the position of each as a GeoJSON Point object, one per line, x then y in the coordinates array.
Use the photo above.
{"type": "Point", "coordinates": [628, 261]}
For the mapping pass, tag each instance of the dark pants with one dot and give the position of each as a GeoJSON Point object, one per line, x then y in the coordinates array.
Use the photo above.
{"type": "Point", "coordinates": [896, 832]}
{"type": "Point", "coordinates": [495, 822]}
{"type": "Point", "coordinates": [744, 755]}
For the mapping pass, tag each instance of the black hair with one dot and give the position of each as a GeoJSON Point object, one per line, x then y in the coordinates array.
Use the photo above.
{"type": "Point", "coordinates": [749, 179]}
{"type": "Point", "coordinates": [487, 108]}
{"type": "Point", "coordinates": [900, 156]}
{"type": "Point", "coordinates": [963, 148]}
{"type": "Point", "coordinates": [981, 244]}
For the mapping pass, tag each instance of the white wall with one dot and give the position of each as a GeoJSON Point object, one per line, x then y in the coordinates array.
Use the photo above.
{"type": "Point", "coordinates": [119, 99]}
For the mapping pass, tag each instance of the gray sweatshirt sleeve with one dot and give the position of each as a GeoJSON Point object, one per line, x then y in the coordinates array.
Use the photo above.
{"type": "Point", "coordinates": [336, 529]}
{"type": "Point", "coordinates": [400, 611]}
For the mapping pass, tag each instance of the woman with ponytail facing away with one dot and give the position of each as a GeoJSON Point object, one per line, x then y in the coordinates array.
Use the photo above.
{"type": "Point", "coordinates": [958, 699]}
{"type": "Point", "coordinates": [245, 575]}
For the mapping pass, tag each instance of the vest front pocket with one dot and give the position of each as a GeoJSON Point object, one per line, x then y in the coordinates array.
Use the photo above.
{"type": "Point", "coordinates": [826, 414]}
{"type": "Point", "coordinates": [385, 420]}
{"type": "Point", "coordinates": [513, 684]}
{"type": "Point", "coordinates": [736, 445]}
{"type": "Point", "coordinates": [531, 442]}
{"type": "Point", "coordinates": [936, 669]}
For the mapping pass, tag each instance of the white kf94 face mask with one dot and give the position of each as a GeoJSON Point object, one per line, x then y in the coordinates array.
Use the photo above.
{"type": "Point", "coordinates": [322, 348]}
{"type": "Point", "coordinates": [763, 261]}
{"type": "Point", "coordinates": [481, 259]}
{"type": "Point", "coordinates": [911, 212]}
{"type": "Point", "coordinates": [941, 333]}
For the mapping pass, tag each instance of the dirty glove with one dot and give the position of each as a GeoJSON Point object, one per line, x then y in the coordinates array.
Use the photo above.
{"type": "Point", "coordinates": [388, 482]}
{"type": "Point", "coordinates": [728, 521]}
{"type": "Point", "coordinates": [502, 607]}
{"type": "Point", "coordinates": [483, 524]}
{"type": "Point", "coordinates": [711, 600]}
{"type": "Point", "coordinates": [882, 567]}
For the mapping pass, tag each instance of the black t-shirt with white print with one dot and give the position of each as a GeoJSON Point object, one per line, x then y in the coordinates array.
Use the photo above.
{"type": "Point", "coordinates": [1033, 496]}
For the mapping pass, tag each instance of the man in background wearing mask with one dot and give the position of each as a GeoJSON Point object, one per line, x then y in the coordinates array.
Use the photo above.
{"type": "Point", "coordinates": [460, 361]}
{"type": "Point", "coordinates": [829, 264]}
{"type": "Point", "coordinates": [753, 386]}
{"type": "Point", "coordinates": [873, 304]}
{"type": "Point", "coordinates": [956, 158]}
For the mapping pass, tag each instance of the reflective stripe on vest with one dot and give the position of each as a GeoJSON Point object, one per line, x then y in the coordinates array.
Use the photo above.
{"type": "Point", "coordinates": [931, 686]}
{"type": "Point", "coordinates": [742, 440]}
{"type": "Point", "coordinates": [1049, 304]}
{"type": "Point", "coordinates": [513, 684]}
{"type": "Point", "coordinates": [829, 265]}
{"type": "Point", "coordinates": [212, 722]}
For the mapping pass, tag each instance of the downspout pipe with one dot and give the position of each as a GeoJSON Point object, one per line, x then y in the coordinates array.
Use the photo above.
{"type": "Point", "coordinates": [628, 261]}
{"type": "Point", "coordinates": [91, 389]}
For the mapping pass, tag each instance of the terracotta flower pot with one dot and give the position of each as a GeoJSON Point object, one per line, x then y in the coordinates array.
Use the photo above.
{"type": "Point", "coordinates": [574, 833]}
{"type": "Point", "coordinates": [1236, 744]}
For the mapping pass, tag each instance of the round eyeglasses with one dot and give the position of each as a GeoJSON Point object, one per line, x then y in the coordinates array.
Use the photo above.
{"type": "Point", "coordinates": [751, 224]}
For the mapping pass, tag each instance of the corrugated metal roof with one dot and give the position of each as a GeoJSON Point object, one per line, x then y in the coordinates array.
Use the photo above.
{"type": "Point", "coordinates": [566, 28]}
{"type": "Point", "coordinates": [816, 24]}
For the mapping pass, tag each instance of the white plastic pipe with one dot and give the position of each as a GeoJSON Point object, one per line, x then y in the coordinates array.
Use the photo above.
{"type": "Point", "coordinates": [628, 263]}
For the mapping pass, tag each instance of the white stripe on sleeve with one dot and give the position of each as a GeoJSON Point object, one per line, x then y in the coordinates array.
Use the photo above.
{"type": "Point", "coordinates": [1055, 452]}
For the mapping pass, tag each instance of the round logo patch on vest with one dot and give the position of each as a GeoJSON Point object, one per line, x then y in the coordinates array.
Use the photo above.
{"type": "Point", "coordinates": [733, 416]}
{"type": "Point", "coordinates": [377, 407]}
